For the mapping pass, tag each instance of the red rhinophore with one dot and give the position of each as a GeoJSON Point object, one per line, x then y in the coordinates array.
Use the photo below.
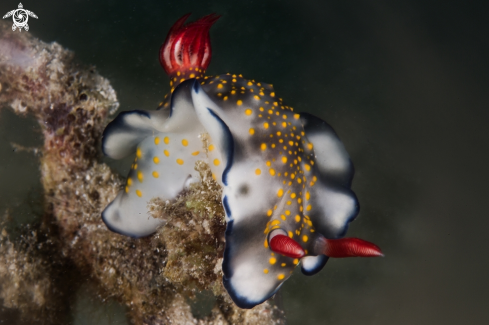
{"type": "Point", "coordinates": [286, 246]}
{"type": "Point", "coordinates": [351, 247]}
{"type": "Point", "coordinates": [187, 47]}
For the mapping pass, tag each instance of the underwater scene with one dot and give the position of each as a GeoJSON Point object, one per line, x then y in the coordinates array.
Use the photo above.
{"type": "Point", "coordinates": [254, 162]}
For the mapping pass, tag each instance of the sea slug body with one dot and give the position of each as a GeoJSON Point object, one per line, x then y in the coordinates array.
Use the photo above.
{"type": "Point", "coordinates": [286, 176]}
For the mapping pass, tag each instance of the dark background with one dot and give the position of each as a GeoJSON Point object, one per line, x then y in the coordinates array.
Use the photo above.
{"type": "Point", "coordinates": [404, 84]}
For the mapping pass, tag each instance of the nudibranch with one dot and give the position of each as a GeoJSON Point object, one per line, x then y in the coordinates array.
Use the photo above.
{"type": "Point", "coordinates": [286, 176]}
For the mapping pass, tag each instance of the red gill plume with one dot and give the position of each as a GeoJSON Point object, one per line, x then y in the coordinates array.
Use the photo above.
{"type": "Point", "coordinates": [186, 52]}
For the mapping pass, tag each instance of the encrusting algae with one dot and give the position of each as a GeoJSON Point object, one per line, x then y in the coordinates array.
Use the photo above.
{"type": "Point", "coordinates": [193, 234]}
{"type": "Point", "coordinates": [155, 276]}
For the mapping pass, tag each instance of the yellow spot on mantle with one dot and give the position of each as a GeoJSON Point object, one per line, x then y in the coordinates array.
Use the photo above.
{"type": "Point", "coordinates": [211, 147]}
{"type": "Point", "coordinates": [263, 146]}
{"type": "Point", "coordinates": [239, 102]}
{"type": "Point", "coordinates": [139, 193]}
{"type": "Point", "coordinates": [272, 171]}
{"type": "Point", "coordinates": [280, 193]}
{"type": "Point", "coordinates": [156, 160]}
{"type": "Point", "coordinates": [305, 238]}
{"type": "Point", "coordinates": [252, 131]}
{"type": "Point", "coordinates": [180, 161]}
{"type": "Point", "coordinates": [185, 142]}
{"type": "Point", "coordinates": [157, 140]}
{"type": "Point", "coordinates": [297, 218]}
{"type": "Point", "coordinates": [155, 174]}
{"type": "Point", "coordinates": [265, 125]}
{"type": "Point", "coordinates": [265, 271]}
{"type": "Point", "coordinates": [280, 276]}
{"type": "Point", "coordinates": [272, 260]}
{"type": "Point", "coordinates": [216, 162]}
{"type": "Point", "coordinates": [138, 153]}
{"type": "Point", "coordinates": [195, 153]}
{"type": "Point", "coordinates": [258, 171]}
{"type": "Point", "coordinates": [140, 176]}
{"type": "Point", "coordinates": [248, 111]}
{"type": "Point", "coordinates": [284, 159]}
{"type": "Point", "coordinates": [269, 213]}
{"type": "Point", "coordinates": [166, 152]}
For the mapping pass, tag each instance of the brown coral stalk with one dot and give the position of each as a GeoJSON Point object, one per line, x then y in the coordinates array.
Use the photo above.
{"type": "Point", "coordinates": [154, 277]}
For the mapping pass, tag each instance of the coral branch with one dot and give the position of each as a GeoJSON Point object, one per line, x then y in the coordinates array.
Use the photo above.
{"type": "Point", "coordinates": [154, 277]}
